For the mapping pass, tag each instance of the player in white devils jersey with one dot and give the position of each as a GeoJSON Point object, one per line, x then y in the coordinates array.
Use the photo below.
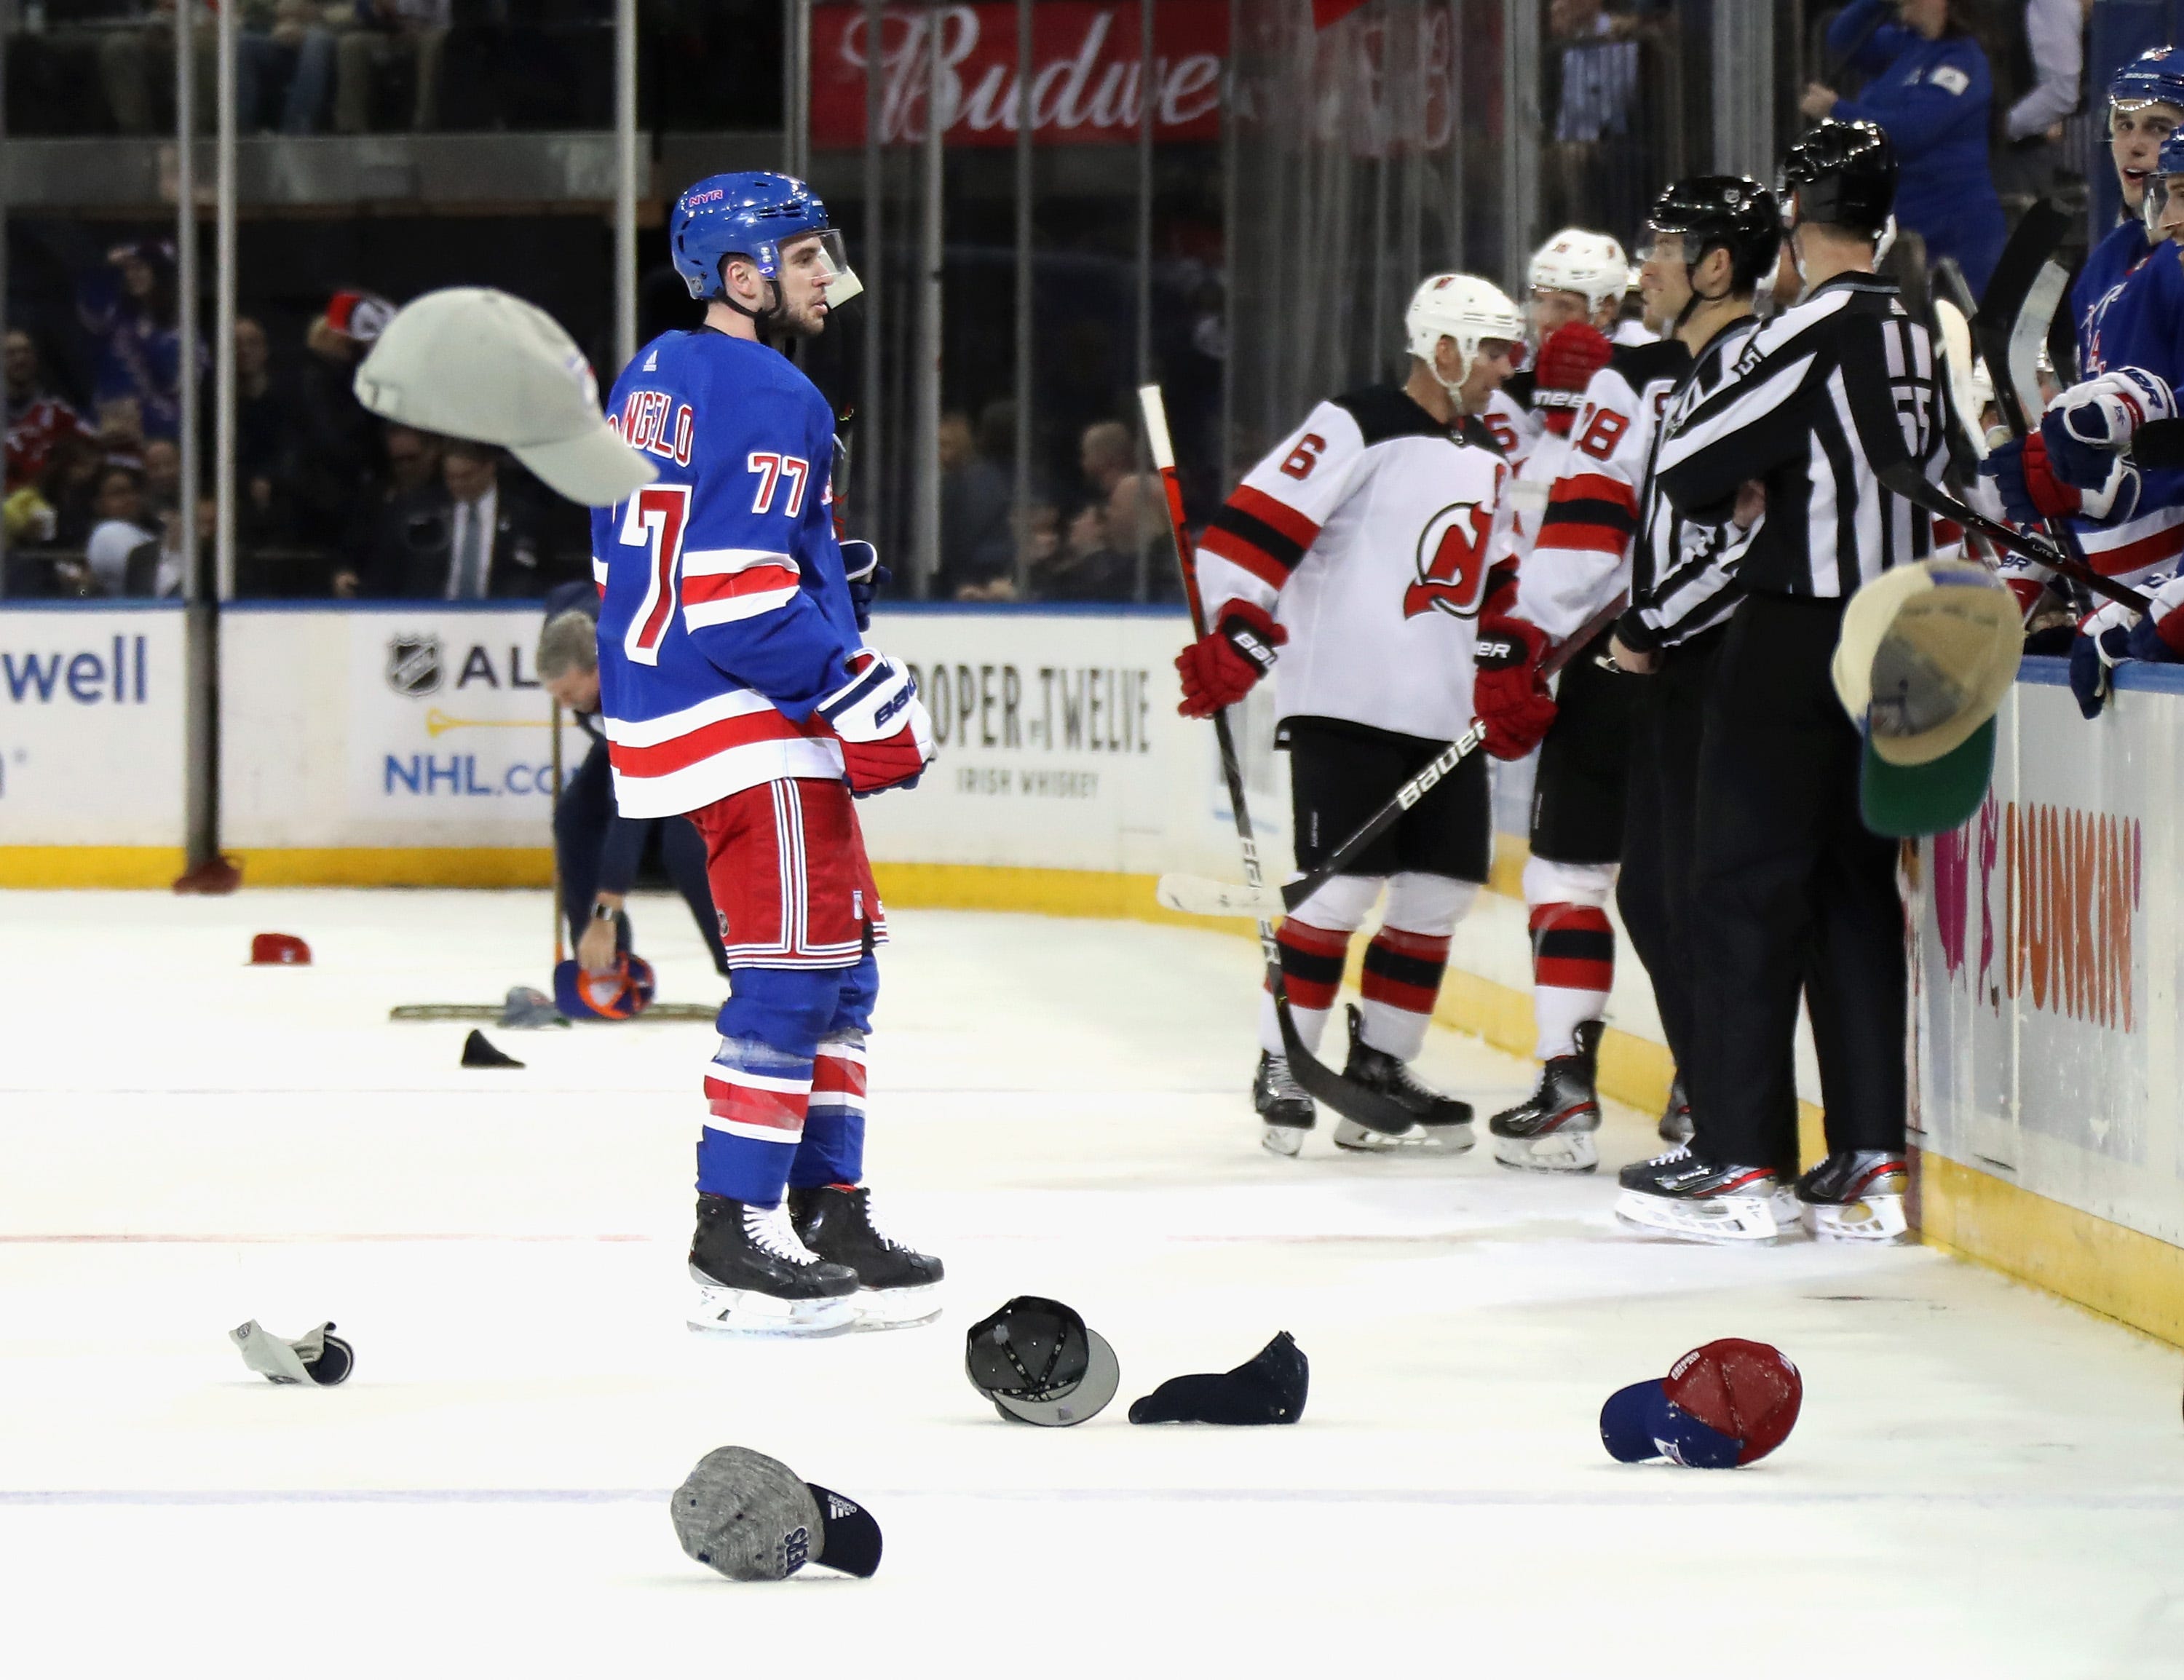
{"type": "Point", "coordinates": [1363, 547]}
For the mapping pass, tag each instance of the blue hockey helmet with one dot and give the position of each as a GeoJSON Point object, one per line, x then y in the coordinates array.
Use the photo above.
{"type": "Point", "coordinates": [2154, 77]}
{"type": "Point", "coordinates": [2153, 209]}
{"type": "Point", "coordinates": [751, 214]}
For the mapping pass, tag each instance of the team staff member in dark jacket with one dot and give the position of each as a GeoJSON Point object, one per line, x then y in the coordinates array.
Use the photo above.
{"type": "Point", "coordinates": [1930, 93]}
{"type": "Point", "coordinates": [1792, 889]}
{"type": "Point", "coordinates": [597, 850]}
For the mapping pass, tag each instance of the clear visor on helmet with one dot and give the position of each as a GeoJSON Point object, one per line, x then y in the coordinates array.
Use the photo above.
{"type": "Point", "coordinates": [2162, 193]}
{"type": "Point", "coordinates": [830, 262]}
{"type": "Point", "coordinates": [1651, 242]}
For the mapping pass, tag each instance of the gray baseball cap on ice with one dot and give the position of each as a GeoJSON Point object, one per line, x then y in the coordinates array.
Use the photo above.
{"type": "Point", "coordinates": [753, 1518]}
{"type": "Point", "coordinates": [475, 363]}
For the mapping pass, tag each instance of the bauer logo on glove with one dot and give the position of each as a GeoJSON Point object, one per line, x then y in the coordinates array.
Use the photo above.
{"type": "Point", "coordinates": [886, 737]}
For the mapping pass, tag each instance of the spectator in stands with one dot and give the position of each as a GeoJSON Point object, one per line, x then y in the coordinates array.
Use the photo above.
{"type": "Point", "coordinates": [1931, 90]}
{"type": "Point", "coordinates": [977, 549]}
{"type": "Point", "coordinates": [389, 36]}
{"type": "Point", "coordinates": [335, 461]}
{"type": "Point", "coordinates": [70, 487]}
{"type": "Point", "coordinates": [128, 307]}
{"type": "Point", "coordinates": [1100, 557]}
{"type": "Point", "coordinates": [122, 554]}
{"type": "Point", "coordinates": [2051, 55]}
{"type": "Point", "coordinates": [284, 63]}
{"type": "Point", "coordinates": [462, 537]}
{"type": "Point", "coordinates": [1107, 454]}
{"type": "Point", "coordinates": [37, 420]}
{"type": "Point", "coordinates": [162, 475]}
{"type": "Point", "coordinates": [413, 463]}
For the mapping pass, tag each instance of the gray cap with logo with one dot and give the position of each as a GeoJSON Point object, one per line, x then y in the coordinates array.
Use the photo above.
{"type": "Point", "coordinates": [753, 1518]}
{"type": "Point", "coordinates": [475, 363]}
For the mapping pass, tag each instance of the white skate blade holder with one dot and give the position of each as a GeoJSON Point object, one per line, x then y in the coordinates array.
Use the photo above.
{"type": "Point", "coordinates": [720, 1311]}
{"type": "Point", "coordinates": [1563, 1151]}
{"type": "Point", "coordinates": [897, 1309]}
{"type": "Point", "coordinates": [1878, 1221]}
{"type": "Point", "coordinates": [1766, 1218]}
{"type": "Point", "coordinates": [1284, 1140]}
{"type": "Point", "coordinates": [1424, 1140]}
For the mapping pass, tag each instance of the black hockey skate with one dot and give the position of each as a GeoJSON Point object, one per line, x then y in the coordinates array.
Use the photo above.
{"type": "Point", "coordinates": [1675, 1126]}
{"type": "Point", "coordinates": [1444, 1123]}
{"type": "Point", "coordinates": [1282, 1103]}
{"type": "Point", "coordinates": [755, 1276]}
{"type": "Point", "coordinates": [896, 1285]}
{"type": "Point", "coordinates": [1553, 1129]}
{"type": "Point", "coordinates": [1680, 1195]}
{"type": "Point", "coordinates": [1857, 1196]}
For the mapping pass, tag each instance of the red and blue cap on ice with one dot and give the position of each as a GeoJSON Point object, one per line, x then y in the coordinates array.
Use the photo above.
{"type": "Point", "coordinates": [1727, 1404]}
{"type": "Point", "coordinates": [615, 995]}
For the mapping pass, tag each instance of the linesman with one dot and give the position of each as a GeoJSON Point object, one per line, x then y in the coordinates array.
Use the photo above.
{"type": "Point", "coordinates": [1792, 891]}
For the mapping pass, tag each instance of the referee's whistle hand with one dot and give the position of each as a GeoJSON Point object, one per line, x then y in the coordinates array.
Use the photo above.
{"type": "Point", "coordinates": [1630, 659]}
{"type": "Point", "coordinates": [1750, 503]}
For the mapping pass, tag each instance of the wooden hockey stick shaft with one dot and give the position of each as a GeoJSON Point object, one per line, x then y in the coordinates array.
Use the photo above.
{"type": "Point", "coordinates": [561, 948]}
{"type": "Point", "coordinates": [1367, 1108]}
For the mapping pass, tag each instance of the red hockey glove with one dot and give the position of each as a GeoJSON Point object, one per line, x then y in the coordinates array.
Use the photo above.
{"type": "Point", "coordinates": [1507, 691]}
{"type": "Point", "coordinates": [1569, 358]}
{"type": "Point", "coordinates": [887, 738]}
{"type": "Point", "coordinates": [1220, 667]}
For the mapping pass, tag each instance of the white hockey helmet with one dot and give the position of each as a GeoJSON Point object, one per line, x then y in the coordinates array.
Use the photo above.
{"type": "Point", "coordinates": [1461, 307]}
{"type": "Point", "coordinates": [1591, 264]}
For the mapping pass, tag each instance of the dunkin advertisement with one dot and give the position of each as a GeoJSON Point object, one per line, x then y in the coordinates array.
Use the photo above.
{"type": "Point", "coordinates": [1087, 83]}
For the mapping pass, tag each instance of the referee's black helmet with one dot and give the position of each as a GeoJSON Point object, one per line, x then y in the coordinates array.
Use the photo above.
{"type": "Point", "coordinates": [1730, 211]}
{"type": "Point", "coordinates": [1841, 174]}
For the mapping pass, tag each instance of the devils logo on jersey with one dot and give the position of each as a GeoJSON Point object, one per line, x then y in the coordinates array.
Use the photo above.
{"type": "Point", "coordinates": [1452, 561]}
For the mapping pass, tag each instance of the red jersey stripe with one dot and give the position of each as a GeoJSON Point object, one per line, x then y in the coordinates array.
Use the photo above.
{"type": "Point", "coordinates": [1280, 515]}
{"type": "Point", "coordinates": [1595, 538]}
{"type": "Point", "coordinates": [723, 586]}
{"type": "Point", "coordinates": [703, 742]}
{"type": "Point", "coordinates": [1246, 556]}
{"type": "Point", "coordinates": [1593, 487]}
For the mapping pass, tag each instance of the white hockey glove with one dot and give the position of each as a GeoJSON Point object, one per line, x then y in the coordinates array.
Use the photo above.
{"type": "Point", "coordinates": [887, 737]}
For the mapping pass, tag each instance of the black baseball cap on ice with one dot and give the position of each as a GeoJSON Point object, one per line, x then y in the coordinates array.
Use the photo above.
{"type": "Point", "coordinates": [1039, 1362]}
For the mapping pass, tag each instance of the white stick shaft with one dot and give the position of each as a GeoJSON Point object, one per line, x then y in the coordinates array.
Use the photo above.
{"type": "Point", "coordinates": [1156, 437]}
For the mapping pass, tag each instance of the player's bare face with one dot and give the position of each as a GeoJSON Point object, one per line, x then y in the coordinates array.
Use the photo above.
{"type": "Point", "coordinates": [1663, 282]}
{"type": "Point", "coordinates": [1551, 309]}
{"type": "Point", "coordinates": [2169, 222]}
{"type": "Point", "coordinates": [1495, 360]}
{"type": "Point", "coordinates": [2135, 138]}
{"type": "Point", "coordinates": [805, 272]}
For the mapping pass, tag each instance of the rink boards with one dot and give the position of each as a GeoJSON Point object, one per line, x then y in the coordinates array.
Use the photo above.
{"type": "Point", "coordinates": [412, 745]}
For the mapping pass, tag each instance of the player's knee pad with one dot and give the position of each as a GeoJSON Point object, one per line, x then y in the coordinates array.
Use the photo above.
{"type": "Point", "coordinates": [1341, 904]}
{"type": "Point", "coordinates": [1548, 882]}
{"type": "Point", "coordinates": [789, 1010]}
{"type": "Point", "coordinates": [1430, 904]}
{"type": "Point", "coordinates": [853, 1009]}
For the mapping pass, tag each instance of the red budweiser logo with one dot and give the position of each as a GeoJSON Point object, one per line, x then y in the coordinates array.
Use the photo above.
{"type": "Point", "coordinates": [1087, 86]}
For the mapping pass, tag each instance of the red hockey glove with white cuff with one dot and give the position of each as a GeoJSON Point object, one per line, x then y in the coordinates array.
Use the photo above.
{"type": "Point", "coordinates": [887, 738]}
{"type": "Point", "coordinates": [1507, 691]}
{"type": "Point", "coordinates": [2031, 492]}
{"type": "Point", "coordinates": [1220, 668]}
{"type": "Point", "coordinates": [1569, 358]}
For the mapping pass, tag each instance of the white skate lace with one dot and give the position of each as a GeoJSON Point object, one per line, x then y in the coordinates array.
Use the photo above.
{"type": "Point", "coordinates": [879, 1236]}
{"type": "Point", "coordinates": [769, 1229]}
{"type": "Point", "coordinates": [1668, 1157]}
{"type": "Point", "coordinates": [1280, 1082]}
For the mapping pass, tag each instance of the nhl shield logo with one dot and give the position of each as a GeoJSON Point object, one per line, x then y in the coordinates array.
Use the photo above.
{"type": "Point", "coordinates": [413, 665]}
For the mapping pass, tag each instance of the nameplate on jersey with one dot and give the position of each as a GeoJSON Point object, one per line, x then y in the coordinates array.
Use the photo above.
{"type": "Point", "coordinates": [654, 422]}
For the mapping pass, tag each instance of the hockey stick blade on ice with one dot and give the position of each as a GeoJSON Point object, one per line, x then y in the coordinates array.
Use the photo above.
{"type": "Point", "coordinates": [1196, 895]}
{"type": "Point", "coordinates": [1905, 479]}
{"type": "Point", "coordinates": [1369, 1108]}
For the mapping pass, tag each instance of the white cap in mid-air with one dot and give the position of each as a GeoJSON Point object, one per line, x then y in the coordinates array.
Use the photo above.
{"type": "Point", "coordinates": [1591, 264]}
{"type": "Point", "coordinates": [1461, 307]}
{"type": "Point", "coordinates": [475, 363]}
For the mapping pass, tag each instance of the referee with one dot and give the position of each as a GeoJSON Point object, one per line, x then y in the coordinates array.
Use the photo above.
{"type": "Point", "coordinates": [1791, 891]}
{"type": "Point", "coordinates": [1712, 241]}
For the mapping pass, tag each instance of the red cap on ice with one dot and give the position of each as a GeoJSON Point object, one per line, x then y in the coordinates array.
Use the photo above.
{"type": "Point", "coordinates": [279, 947]}
{"type": "Point", "coordinates": [1746, 1390]}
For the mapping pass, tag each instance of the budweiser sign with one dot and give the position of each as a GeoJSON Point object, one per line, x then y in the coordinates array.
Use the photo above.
{"type": "Point", "coordinates": [1087, 82]}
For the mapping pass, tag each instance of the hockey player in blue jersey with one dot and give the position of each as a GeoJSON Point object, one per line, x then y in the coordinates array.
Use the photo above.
{"type": "Point", "coordinates": [2146, 105]}
{"type": "Point", "coordinates": [737, 690]}
{"type": "Point", "coordinates": [2128, 521]}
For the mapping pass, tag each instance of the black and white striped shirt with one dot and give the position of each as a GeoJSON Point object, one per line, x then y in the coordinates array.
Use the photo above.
{"type": "Point", "coordinates": [1818, 397]}
{"type": "Point", "coordinates": [1684, 571]}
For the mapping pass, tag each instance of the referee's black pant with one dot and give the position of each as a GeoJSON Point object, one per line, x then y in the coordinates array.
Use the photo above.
{"type": "Point", "coordinates": [1791, 891]}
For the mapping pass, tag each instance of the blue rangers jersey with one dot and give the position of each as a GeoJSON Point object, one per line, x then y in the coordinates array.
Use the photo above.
{"type": "Point", "coordinates": [724, 615]}
{"type": "Point", "coordinates": [2139, 322]}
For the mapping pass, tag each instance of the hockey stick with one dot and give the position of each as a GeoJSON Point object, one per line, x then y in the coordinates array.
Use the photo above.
{"type": "Point", "coordinates": [1196, 895]}
{"type": "Point", "coordinates": [1369, 1108]}
{"type": "Point", "coordinates": [1903, 478]}
{"type": "Point", "coordinates": [2022, 295]}
{"type": "Point", "coordinates": [561, 948]}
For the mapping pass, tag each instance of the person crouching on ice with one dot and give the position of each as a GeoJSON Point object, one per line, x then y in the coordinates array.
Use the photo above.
{"type": "Point", "coordinates": [1362, 547]}
{"type": "Point", "coordinates": [738, 690]}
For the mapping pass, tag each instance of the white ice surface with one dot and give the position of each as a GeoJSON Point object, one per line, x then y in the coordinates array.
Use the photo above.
{"type": "Point", "coordinates": [1984, 1483]}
